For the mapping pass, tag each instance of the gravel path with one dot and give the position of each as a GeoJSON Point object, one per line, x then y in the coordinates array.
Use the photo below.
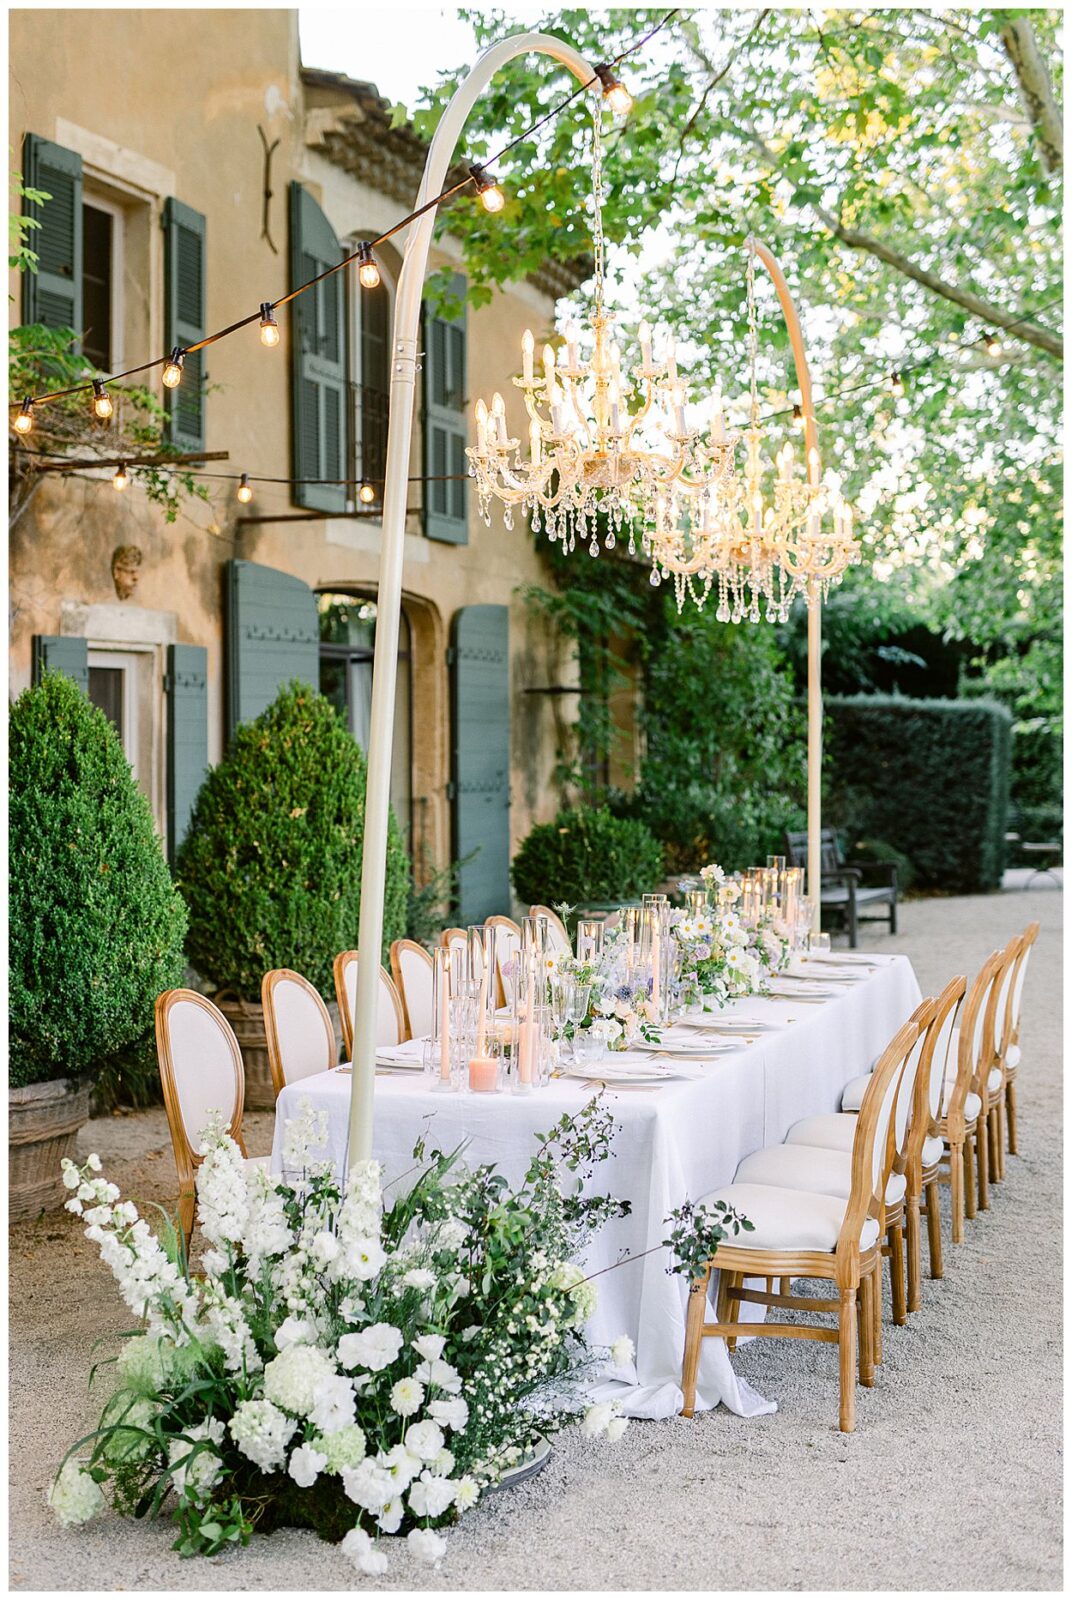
{"type": "Point", "coordinates": [951, 1481]}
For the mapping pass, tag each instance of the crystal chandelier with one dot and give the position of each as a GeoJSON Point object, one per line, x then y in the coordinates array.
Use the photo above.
{"type": "Point", "coordinates": [601, 440]}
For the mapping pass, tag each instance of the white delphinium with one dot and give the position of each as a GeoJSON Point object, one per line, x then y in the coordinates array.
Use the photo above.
{"type": "Point", "coordinates": [292, 1377]}
{"type": "Point", "coordinates": [374, 1347]}
{"type": "Point", "coordinates": [194, 1472]}
{"type": "Point", "coordinates": [324, 1247]}
{"type": "Point", "coordinates": [268, 1233]}
{"type": "Point", "coordinates": [424, 1439]}
{"type": "Point", "coordinates": [149, 1281]}
{"type": "Point", "coordinates": [427, 1545]}
{"type": "Point", "coordinates": [73, 1495]}
{"type": "Point", "coordinates": [334, 1404]}
{"type": "Point", "coordinates": [407, 1397]}
{"type": "Point", "coordinates": [222, 1197]}
{"type": "Point", "coordinates": [262, 1432]}
{"type": "Point", "coordinates": [359, 1548]}
{"type": "Point", "coordinates": [225, 1319]}
{"type": "Point", "coordinates": [305, 1465]}
{"type": "Point", "coordinates": [360, 1254]}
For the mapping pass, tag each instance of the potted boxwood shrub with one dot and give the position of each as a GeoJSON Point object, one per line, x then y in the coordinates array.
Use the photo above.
{"type": "Point", "coordinates": [96, 925]}
{"type": "Point", "coordinates": [587, 858]}
{"type": "Point", "coordinates": [271, 864]}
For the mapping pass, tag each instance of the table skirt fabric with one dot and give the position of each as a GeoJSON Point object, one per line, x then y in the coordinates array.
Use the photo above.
{"type": "Point", "coordinates": [677, 1141]}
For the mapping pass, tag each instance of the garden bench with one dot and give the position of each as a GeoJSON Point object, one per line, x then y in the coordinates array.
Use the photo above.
{"type": "Point", "coordinates": [842, 890]}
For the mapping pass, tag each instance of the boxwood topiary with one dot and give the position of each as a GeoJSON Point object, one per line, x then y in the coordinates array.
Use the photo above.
{"type": "Point", "coordinates": [585, 857]}
{"type": "Point", "coordinates": [96, 923]}
{"type": "Point", "coordinates": [271, 863]}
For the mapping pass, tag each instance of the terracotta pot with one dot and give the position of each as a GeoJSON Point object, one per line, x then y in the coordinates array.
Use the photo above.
{"type": "Point", "coordinates": [43, 1120]}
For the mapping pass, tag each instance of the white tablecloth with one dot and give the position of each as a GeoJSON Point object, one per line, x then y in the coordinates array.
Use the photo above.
{"type": "Point", "coordinates": [678, 1141]}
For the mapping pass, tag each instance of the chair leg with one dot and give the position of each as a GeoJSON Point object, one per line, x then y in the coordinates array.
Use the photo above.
{"type": "Point", "coordinates": [970, 1190]}
{"type": "Point", "coordinates": [895, 1234]}
{"type": "Point", "coordinates": [785, 1285]}
{"type": "Point", "coordinates": [847, 1360]}
{"type": "Point", "coordinates": [733, 1281]}
{"type": "Point", "coordinates": [1001, 1132]}
{"type": "Point", "coordinates": [1010, 1117]}
{"type": "Point", "coordinates": [993, 1138]}
{"type": "Point", "coordinates": [934, 1220]}
{"type": "Point", "coordinates": [982, 1160]}
{"type": "Point", "coordinates": [694, 1322]}
{"type": "Point", "coordinates": [876, 1308]}
{"type": "Point", "coordinates": [187, 1204]}
{"type": "Point", "coordinates": [914, 1245]}
{"type": "Point", "coordinates": [865, 1336]}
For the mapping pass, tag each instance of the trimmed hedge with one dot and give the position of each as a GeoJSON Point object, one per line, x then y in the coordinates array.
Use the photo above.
{"type": "Point", "coordinates": [929, 776]}
{"type": "Point", "coordinates": [586, 857]}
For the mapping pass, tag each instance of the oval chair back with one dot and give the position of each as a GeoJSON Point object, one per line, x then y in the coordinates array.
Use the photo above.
{"type": "Point", "coordinates": [411, 969]}
{"type": "Point", "coordinates": [1000, 1005]}
{"type": "Point", "coordinates": [390, 1025]}
{"type": "Point", "coordinates": [201, 1071]}
{"type": "Point", "coordinates": [969, 1041]}
{"type": "Point", "coordinates": [1031, 933]}
{"type": "Point", "coordinates": [930, 1079]}
{"type": "Point", "coordinates": [872, 1146]}
{"type": "Point", "coordinates": [559, 938]}
{"type": "Point", "coordinates": [298, 1027]}
{"type": "Point", "coordinates": [906, 1089]}
{"type": "Point", "coordinates": [507, 950]}
{"type": "Point", "coordinates": [454, 940]}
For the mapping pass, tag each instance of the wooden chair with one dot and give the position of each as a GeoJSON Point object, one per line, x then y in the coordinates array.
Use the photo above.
{"type": "Point", "coordinates": [806, 1235]}
{"type": "Point", "coordinates": [962, 1123]}
{"type": "Point", "coordinates": [411, 969]}
{"type": "Point", "coordinates": [201, 1072]}
{"type": "Point", "coordinates": [298, 1027]}
{"type": "Point", "coordinates": [455, 939]}
{"type": "Point", "coordinates": [842, 890]}
{"type": "Point", "coordinates": [507, 950]}
{"type": "Point", "coordinates": [992, 1080]}
{"type": "Point", "coordinates": [560, 939]}
{"type": "Point", "coordinates": [1011, 1050]}
{"type": "Point", "coordinates": [390, 1022]}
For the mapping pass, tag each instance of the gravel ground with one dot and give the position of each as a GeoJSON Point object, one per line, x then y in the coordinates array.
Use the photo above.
{"type": "Point", "coordinates": [951, 1481]}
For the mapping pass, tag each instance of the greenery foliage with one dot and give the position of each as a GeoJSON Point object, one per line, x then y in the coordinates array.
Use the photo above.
{"type": "Point", "coordinates": [587, 857]}
{"type": "Point", "coordinates": [929, 776]}
{"type": "Point", "coordinates": [96, 924]}
{"type": "Point", "coordinates": [271, 864]}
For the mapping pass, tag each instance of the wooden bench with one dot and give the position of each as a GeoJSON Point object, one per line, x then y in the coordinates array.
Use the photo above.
{"type": "Point", "coordinates": [842, 890]}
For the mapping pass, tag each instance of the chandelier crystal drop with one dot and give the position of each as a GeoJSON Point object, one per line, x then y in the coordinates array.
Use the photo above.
{"type": "Point", "coordinates": [601, 441]}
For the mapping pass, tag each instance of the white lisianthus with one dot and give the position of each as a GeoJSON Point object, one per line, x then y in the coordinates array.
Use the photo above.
{"type": "Point", "coordinates": [262, 1432]}
{"type": "Point", "coordinates": [74, 1496]}
{"type": "Point", "coordinates": [291, 1378]}
{"type": "Point", "coordinates": [374, 1347]}
{"type": "Point", "coordinates": [425, 1439]}
{"type": "Point", "coordinates": [450, 1413]}
{"type": "Point", "coordinates": [333, 1404]}
{"type": "Point", "coordinates": [440, 1375]}
{"type": "Point", "coordinates": [71, 1179]}
{"type": "Point", "coordinates": [368, 1485]}
{"type": "Point", "coordinates": [362, 1258]}
{"type": "Point", "coordinates": [596, 1419]}
{"type": "Point", "coordinates": [295, 1330]}
{"type": "Point", "coordinates": [616, 1427]}
{"type": "Point", "coordinates": [390, 1518]}
{"type": "Point", "coordinates": [622, 1351]}
{"type": "Point", "coordinates": [430, 1346]}
{"type": "Point", "coordinates": [359, 1548]}
{"type": "Point", "coordinates": [419, 1278]}
{"type": "Point", "coordinates": [407, 1396]}
{"type": "Point", "coordinates": [430, 1496]}
{"type": "Point", "coordinates": [401, 1463]}
{"type": "Point", "coordinates": [305, 1465]}
{"type": "Point", "coordinates": [466, 1493]}
{"type": "Point", "coordinates": [324, 1247]}
{"type": "Point", "coordinates": [427, 1545]}
{"type": "Point", "coordinates": [345, 1448]}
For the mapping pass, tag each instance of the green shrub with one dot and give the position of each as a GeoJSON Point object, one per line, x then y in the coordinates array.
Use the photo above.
{"type": "Point", "coordinates": [931, 777]}
{"type": "Point", "coordinates": [96, 923]}
{"type": "Point", "coordinates": [867, 851]}
{"type": "Point", "coordinates": [697, 823]}
{"type": "Point", "coordinates": [586, 857]}
{"type": "Point", "coordinates": [271, 865]}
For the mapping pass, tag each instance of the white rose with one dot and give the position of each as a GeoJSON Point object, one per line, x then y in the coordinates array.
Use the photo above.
{"type": "Point", "coordinates": [427, 1545]}
{"type": "Point", "coordinates": [374, 1347]}
{"type": "Point", "coordinates": [306, 1465]}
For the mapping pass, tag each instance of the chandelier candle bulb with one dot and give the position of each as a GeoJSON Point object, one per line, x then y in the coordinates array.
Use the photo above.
{"type": "Point", "coordinates": [528, 344]}
{"type": "Point", "coordinates": [444, 1021]}
{"type": "Point", "coordinates": [572, 347]}
{"type": "Point", "coordinates": [644, 336]}
{"type": "Point", "coordinates": [481, 428]}
{"type": "Point", "coordinates": [671, 359]}
{"type": "Point", "coordinates": [549, 367]}
{"type": "Point", "coordinates": [535, 442]}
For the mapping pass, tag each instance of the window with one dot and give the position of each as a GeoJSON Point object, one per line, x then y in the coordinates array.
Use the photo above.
{"type": "Point", "coordinates": [347, 640]}
{"type": "Point", "coordinates": [112, 690]}
{"type": "Point", "coordinates": [128, 686]}
{"type": "Point", "coordinates": [102, 229]}
{"type": "Point", "coordinates": [373, 386]}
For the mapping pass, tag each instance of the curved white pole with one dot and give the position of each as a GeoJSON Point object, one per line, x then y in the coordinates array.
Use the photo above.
{"type": "Point", "coordinates": [389, 593]}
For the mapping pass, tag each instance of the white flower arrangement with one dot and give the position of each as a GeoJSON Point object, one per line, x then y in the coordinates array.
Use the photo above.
{"type": "Point", "coordinates": [720, 958]}
{"type": "Point", "coordinates": [359, 1370]}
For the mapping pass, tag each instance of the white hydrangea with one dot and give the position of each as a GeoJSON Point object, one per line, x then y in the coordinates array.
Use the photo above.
{"type": "Point", "coordinates": [424, 1439]}
{"type": "Point", "coordinates": [450, 1413]}
{"type": "Point", "coordinates": [196, 1471]}
{"type": "Point", "coordinates": [262, 1432]}
{"type": "Point", "coordinates": [407, 1396]}
{"type": "Point", "coordinates": [73, 1495]}
{"type": "Point", "coordinates": [622, 1351]}
{"type": "Point", "coordinates": [430, 1496]}
{"type": "Point", "coordinates": [305, 1465]}
{"type": "Point", "coordinates": [268, 1233]}
{"type": "Point", "coordinates": [292, 1377]}
{"type": "Point", "coordinates": [359, 1548]}
{"type": "Point", "coordinates": [427, 1545]}
{"type": "Point", "coordinates": [333, 1404]}
{"type": "Point", "coordinates": [344, 1448]}
{"type": "Point", "coordinates": [375, 1347]}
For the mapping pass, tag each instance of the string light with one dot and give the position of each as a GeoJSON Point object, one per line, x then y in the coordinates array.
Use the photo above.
{"type": "Point", "coordinates": [172, 374]}
{"type": "Point", "coordinates": [798, 416]}
{"type": "Point", "coordinates": [121, 479]}
{"type": "Point", "coordinates": [368, 273]}
{"type": "Point", "coordinates": [245, 490]}
{"type": "Point", "coordinates": [992, 345]}
{"type": "Point", "coordinates": [269, 326]}
{"type": "Point", "coordinates": [896, 385]}
{"type": "Point", "coordinates": [615, 93]}
{"type": "Point", "coordinates": [24, 421]}
{"type": "Point", "coordinates": [366, 494]}
{"type": "Point", "coordinates": [491, 196]}
{"type": "Point", "coordinates": [102, 401]}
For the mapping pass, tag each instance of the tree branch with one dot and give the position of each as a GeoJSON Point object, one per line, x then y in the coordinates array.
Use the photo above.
{"type": "Point", "coordinates": [1036, 89]}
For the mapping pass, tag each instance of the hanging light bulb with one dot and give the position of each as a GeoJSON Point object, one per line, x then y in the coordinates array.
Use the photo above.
{"type": "Point", "coordinates": [491, 196]}
{"type": "Point", "coordinates": [368, 273]}
{"type": "Point", "coordinates": [992, 345]}
{"type": "Point", "coordinates": [269, 326]}
{"type": "Point", "coordinates": [102, 401]}
{"type": "Point", "coordinates": [24, 419]}
{"type": "Point", "coordinates": [172, 374]}
{"type": "Point", "coordinates": [366, 494]}
{"type": "Point", "coordinates": [121, 479]}
{"type": "Point", "coordinates": [615, 93]}
{"type": "Point", "coordinates": [245, 489]}
{"type": "Point", "coordinates": [896, 385]}
{"type": "Point", "coordinates": [798, 416]}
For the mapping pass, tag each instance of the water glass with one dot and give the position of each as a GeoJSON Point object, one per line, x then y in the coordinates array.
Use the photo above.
{"type": "Point", "coordinates": [818, 941]}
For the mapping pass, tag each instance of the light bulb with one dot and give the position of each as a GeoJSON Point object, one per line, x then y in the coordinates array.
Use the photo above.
{"type": "Point", "coordinates": [366, 494]}
{"type": "Point", "coordinates": [24, 420]}
{"type": "Point", "coordinates": [491, 196]}
{"type": "Point", "coordinates": [245, 490]}
{"type": "Point", "coordinates": [992, 345]}
{"type": "Point", "coordinates": [368, 273]}
{"type": "Point", "coordinates": [102, 401]}
{"type": "Point", "coordinates": [896, 385]}
{"type": "Point", "coordinates": [798, 416]}
{"type": "Point", "coordinates": [615, 93]}
{"type": "Point", "coordinates": [120, 480]}
{"type": "Point", "coordinates": [269, 326]}
{"type": "Point", "coordinates": [172, 374]}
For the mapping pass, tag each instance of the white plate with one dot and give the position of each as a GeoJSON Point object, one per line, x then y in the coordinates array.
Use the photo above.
{"type": "Point", "coordinates": [730, 1025]}
{"type": "Point", "coordinates": [684, 1047]}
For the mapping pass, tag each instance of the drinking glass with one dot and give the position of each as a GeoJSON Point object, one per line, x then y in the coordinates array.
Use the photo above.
{"type": "Point", "coordinates": [562, 988]}
{"type": "Point", "coordinates": [589, 1048]}
{"type": "Point", "coordinates": [577, 1004]}
{"type": "Point", "coordinates": [818, 941]}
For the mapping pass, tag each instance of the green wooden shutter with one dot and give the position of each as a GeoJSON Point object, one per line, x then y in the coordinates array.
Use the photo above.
{"type": "Point", "coordinates": [319, 353]}
{"type": "Point", "coordinates": [480, 765]}
{"type": "Point", "coordinates": [273, 635]}
{"type": "Point", "coordinates": [57, 653]}
{"type": "Point", "coordinates": [446, 504]}
{"type": "Point", "coordinates": [53, 294]}
{"type": "Point", "coordinates": [187, 735]}
{"type": "Point", "coordinates": [184, 316]}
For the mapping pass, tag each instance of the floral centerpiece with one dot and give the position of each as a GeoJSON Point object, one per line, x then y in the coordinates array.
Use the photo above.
{"type": "Point", "coordinates": [340, 1362]}
{"type": "Point", "coordinates": [721, 957]}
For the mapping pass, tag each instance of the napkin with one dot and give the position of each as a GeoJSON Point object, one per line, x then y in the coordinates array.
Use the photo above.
{"type": "Point", "coordinates": [409, 1054]}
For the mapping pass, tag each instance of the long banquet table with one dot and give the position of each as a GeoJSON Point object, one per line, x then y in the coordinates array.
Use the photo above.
{"type": "Point", "coordinates": [678, 1140]}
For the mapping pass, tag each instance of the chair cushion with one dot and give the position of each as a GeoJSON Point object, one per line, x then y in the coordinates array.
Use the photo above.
{"type": "Point", "coordinates": [1012, 1056]}
{"type": "Point", "coordinates": [786, 1219]}
{"type": "Point", "coordinates": [853, 1093]}
{"type": "Point", "coordinates": [972, 1103]}
{"type": "Point", "coordinates": [932, 1151]}
{"type": "Point", "coordinates": [993, 1083]}
{"type": "Point", "coordinates": [834, 1131]}
{"type": "Point", "coordinates": [807, 1167]}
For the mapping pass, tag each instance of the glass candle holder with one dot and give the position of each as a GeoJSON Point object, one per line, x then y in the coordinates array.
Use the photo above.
{"type": "Point", "coordinates": [438, 1056]}
{"type": "Point", "coordinates": [589, 940]}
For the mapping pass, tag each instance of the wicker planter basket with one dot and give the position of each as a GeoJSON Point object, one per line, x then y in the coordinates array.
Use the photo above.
{"type": "Point", "coordinates": [43, 1120]}
{"type": "Point", "coordinates": [247, 1020]}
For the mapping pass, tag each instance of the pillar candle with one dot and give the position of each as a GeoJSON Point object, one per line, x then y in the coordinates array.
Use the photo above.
{"type": "Point", "coordinates": [483, 1074]}
{"type": "Point", "coordinates": [656, 958]}
{"type": "Point", "coordinates": [525, 1042]}
{"type": "Point", "coordinates": [444, 1022]}
{"type": "Point", "coordinates": [482, 1011]}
